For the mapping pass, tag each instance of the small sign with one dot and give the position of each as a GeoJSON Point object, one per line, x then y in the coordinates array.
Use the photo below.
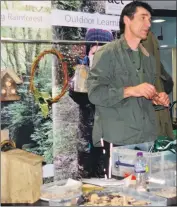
{"type": "Point", "coordinates": [115, 6]}
{"type": "Point", "coordinates": [16, 18]}
{"type": "Point", "coordinates": [84, 19]}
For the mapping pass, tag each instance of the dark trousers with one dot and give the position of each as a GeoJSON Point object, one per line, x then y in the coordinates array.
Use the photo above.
{"type": "Point", "coordinates": [92, 163]}
{"type": "Point", "coordinates": [95, 163]}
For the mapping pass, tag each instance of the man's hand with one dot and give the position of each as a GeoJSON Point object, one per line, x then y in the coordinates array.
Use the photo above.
{"type": "Point", "coordinates": [161, 99]}
{"type": "Point", "coordinates": [143, 90]}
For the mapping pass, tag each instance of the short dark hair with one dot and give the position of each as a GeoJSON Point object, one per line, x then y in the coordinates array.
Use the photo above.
{"type": "Point", "coordinates": [129, 10]}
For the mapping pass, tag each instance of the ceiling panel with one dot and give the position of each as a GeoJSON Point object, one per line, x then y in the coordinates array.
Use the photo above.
{"type": "Point", "coordinates": [170, 5]}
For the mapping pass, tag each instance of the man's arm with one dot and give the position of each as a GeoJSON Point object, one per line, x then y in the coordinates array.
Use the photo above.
{"type": "Point", "coordinates": [100, 89]}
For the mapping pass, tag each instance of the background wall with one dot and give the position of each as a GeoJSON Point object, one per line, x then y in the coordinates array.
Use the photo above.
{"type": "Point", "coordinates": [169, 30]}
{"type": "Point", "coordinates": [169, 39]}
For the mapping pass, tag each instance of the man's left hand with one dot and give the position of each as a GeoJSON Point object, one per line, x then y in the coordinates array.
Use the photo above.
{"type": "Point", "coordinates": [161, 99]}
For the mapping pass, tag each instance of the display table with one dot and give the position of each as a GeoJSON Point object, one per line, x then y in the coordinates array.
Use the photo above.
{"type": "Point", "coordinates": [38, 203]}
{"type": "Point", "coordinates": [124, 190]}
{"type": "Point", "coordinates": [41, 203]}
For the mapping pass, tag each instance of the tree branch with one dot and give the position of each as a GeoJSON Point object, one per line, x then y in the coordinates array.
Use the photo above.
{"type": "Point", "coordinates": [38, 46]}
{"type": "Point", "coordinates": [25, 49]}
{"type": "Point", "coordinates": [5, 3]}
{"type": "Point", "coordinates": [9, 55]}
{"type": "Point", "coordinates": [5, 63]}
{"type": "Point", "coordinates": [30, 50]}
{"type": "Point", "coordinates": [15, 52]}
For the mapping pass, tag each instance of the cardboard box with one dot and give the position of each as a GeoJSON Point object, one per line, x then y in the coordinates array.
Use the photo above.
{"type": "Point", "coordinates": [4, 135]}
{"type": "Point", "coordinates": [21, 176]}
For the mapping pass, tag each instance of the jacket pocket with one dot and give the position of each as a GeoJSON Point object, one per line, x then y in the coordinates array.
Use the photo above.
{"type": "Point", "coordinates": [122, 77]}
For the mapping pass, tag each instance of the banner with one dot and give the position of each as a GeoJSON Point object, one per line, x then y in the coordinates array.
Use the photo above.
{"type": "Point", "coordinates": [14, 18]}
{"type": "Point", "coordinates": [115, 6]}
{"type": "Point", "coordinates": [87, 20]}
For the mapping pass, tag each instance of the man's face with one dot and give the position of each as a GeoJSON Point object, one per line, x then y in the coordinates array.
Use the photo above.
{"type": "Point", "coordinates": [140, 24]}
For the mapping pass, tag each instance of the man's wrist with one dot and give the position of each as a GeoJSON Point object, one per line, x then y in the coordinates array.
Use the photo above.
{"type": "Point", "coordinates": [128, 91]}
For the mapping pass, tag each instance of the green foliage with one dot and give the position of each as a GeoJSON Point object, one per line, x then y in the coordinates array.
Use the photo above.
{"type": "Point", "coordinates": [26, 112]}
{"type": "Point", "coordinates": [41, 99]}
{"type": "Point", "coordinates": [66, 5]}
{"type": "Point", "coordinates": [43, 137]}
{"type": "Point", "coordinates": [17, 114]}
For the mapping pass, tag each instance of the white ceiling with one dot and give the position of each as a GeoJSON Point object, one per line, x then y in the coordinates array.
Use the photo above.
{"type": "Point", "coordinates": [171, 5]}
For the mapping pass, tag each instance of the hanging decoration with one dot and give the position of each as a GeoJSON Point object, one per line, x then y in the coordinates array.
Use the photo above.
{"type": "Point", "coordinates": [43, 99]}
{"type": "Point", "coordinates": [7, 145]}
{"type": "Point", "coordinates": [9, 82]}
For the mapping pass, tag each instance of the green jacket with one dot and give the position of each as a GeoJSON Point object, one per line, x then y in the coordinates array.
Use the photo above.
{"type": "Point", "coordinates": [120, 120]}
{"type": "Point", "coordinates": [163, 116]}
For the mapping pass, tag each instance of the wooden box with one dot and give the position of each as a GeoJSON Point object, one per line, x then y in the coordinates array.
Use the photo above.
{"type": "Point", "coordinates": [4, 135]}
{"type": "Point", "coordinates": [21, 176]}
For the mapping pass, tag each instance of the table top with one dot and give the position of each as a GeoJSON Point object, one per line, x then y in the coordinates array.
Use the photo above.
{"type": "Point", "coordinates": [38, 203]}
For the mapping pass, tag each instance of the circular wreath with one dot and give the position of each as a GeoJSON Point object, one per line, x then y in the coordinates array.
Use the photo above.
{"type": "Point", "coordinates": [64, 68]}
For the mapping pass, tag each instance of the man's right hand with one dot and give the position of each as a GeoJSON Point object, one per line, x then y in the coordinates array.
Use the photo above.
{"type": "Point", "coordinates": [143, 90]}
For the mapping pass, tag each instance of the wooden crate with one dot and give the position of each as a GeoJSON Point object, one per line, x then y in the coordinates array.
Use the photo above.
{"type": "Point", "coordinates": [21, 176]}
{"type": "Point", "coordinates": [4, 134]}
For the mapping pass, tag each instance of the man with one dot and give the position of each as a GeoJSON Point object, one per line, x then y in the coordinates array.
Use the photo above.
{"type": "Point", "coordinates": [164, 83]}
{"type": "Point", "coordinates": [121, 83]}
{"type": "Point", "coordinates": [89, 157]}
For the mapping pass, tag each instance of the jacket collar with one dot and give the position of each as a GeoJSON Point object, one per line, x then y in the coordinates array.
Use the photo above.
{"type": "Point", "coordinates": [126, 46]}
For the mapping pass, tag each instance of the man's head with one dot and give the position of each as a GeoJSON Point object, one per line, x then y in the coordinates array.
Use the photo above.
{"type": "Point", "coordinates": [136, 19]}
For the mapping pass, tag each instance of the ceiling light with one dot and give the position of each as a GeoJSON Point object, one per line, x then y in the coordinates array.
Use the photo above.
{"type": "Point", "coordinates": [158, 20]}
{"type": "Point", "coordinates": [164, 46]}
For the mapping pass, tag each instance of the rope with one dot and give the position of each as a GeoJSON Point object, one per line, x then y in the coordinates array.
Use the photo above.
{"type": "Point", "coordinates": [64, 68]}
{"type": "Point", "coordinates": [7, 145]}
